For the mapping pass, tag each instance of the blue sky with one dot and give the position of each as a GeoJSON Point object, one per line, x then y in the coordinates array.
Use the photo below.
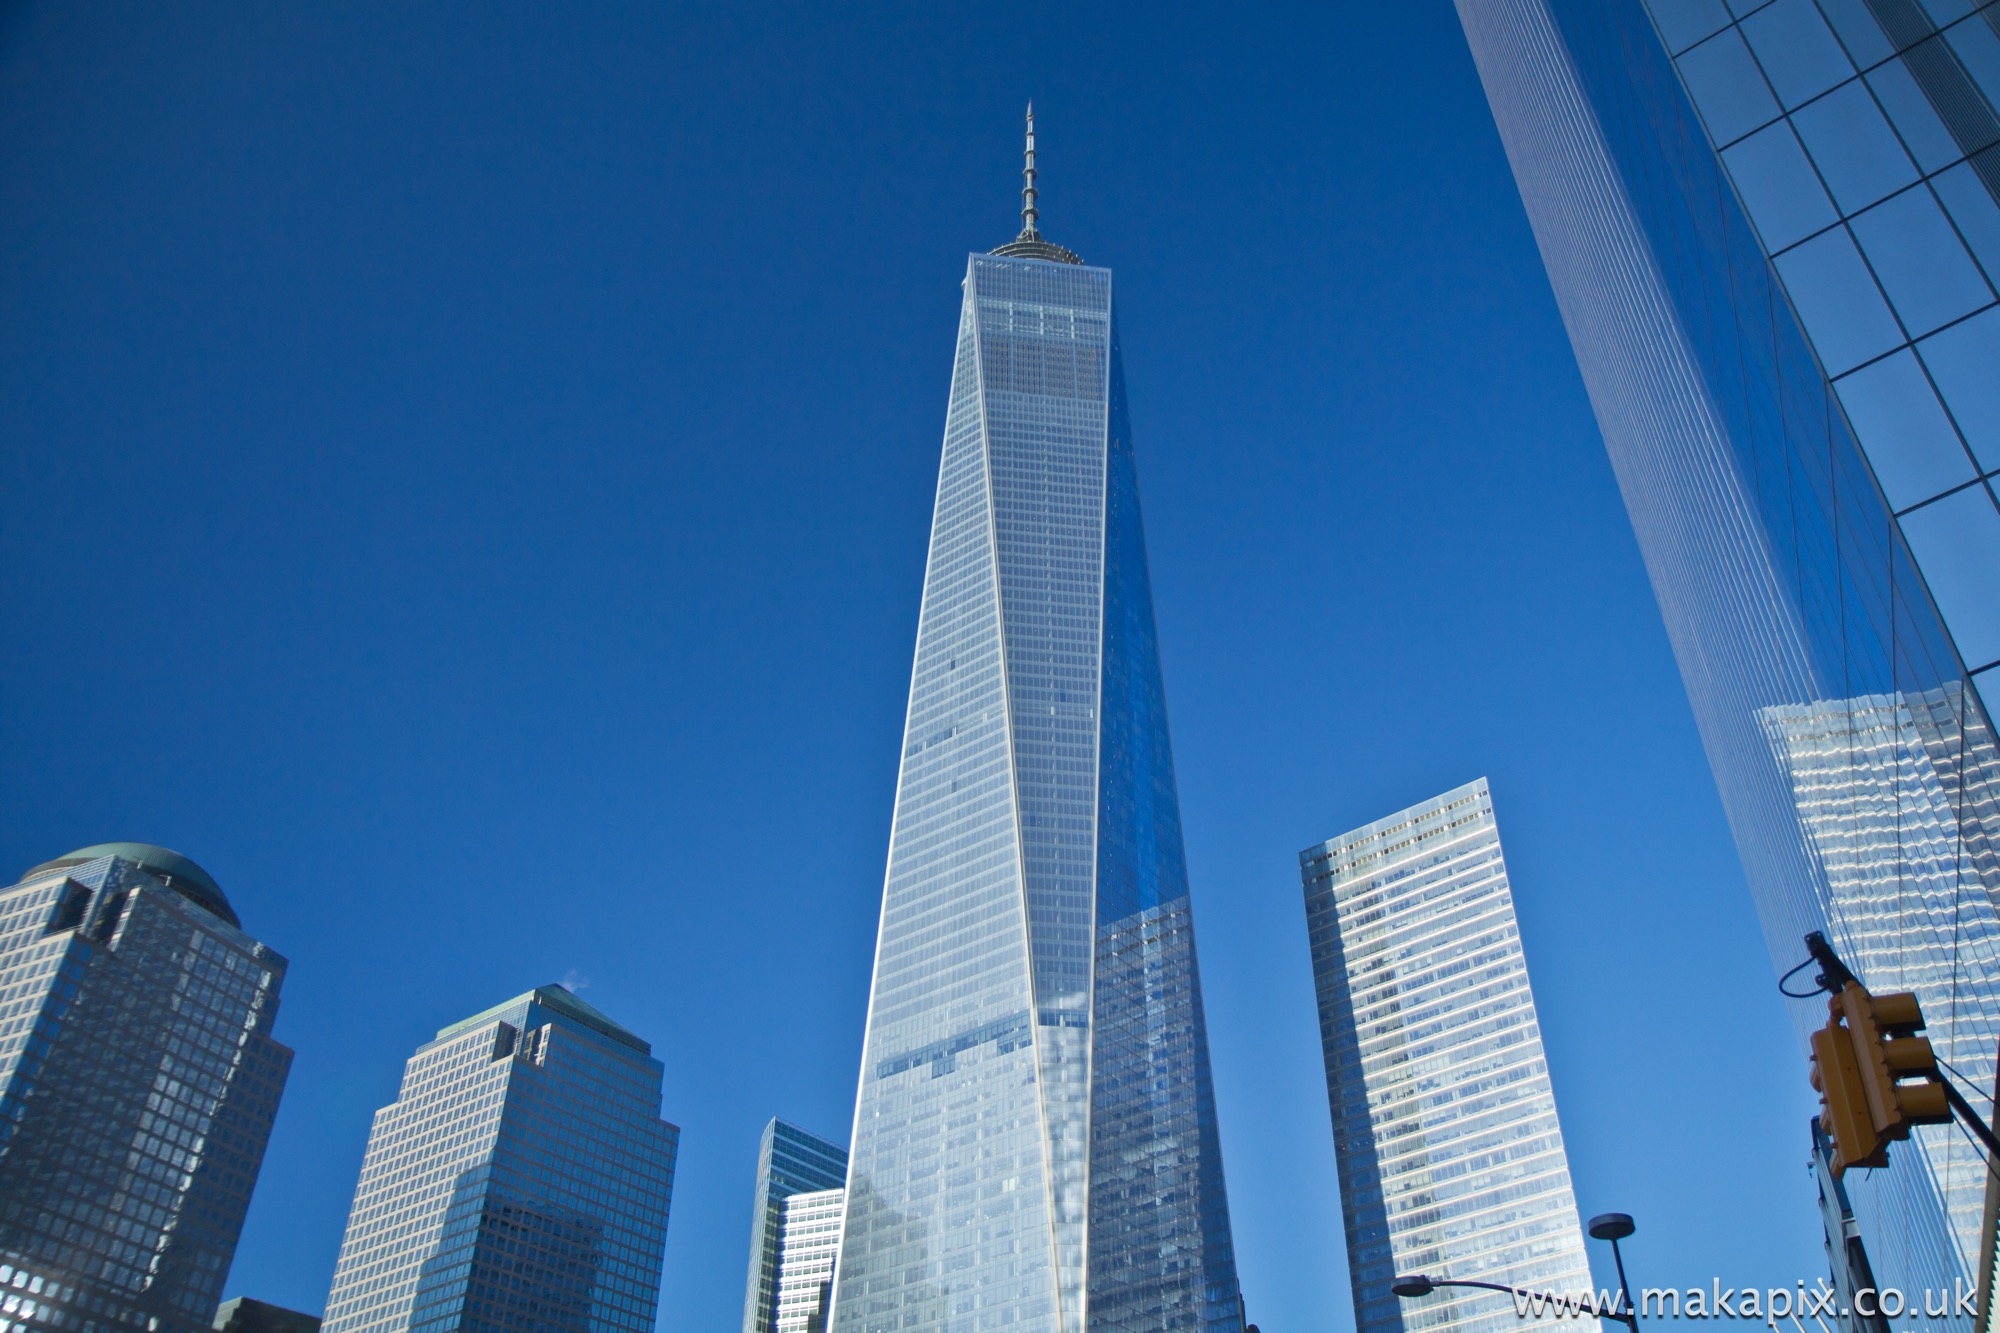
{"type": "Point", "coordinates": [468, 471]}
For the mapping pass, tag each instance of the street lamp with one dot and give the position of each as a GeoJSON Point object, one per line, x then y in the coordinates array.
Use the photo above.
{"type": "Point", "coordinates": [1613, 1227]}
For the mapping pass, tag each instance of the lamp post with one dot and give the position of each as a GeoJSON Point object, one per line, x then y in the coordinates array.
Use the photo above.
{"type": "Point", "coordinates": [1613, 1227]}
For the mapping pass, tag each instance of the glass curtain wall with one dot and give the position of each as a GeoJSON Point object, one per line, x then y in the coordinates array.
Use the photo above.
{"type": "Point", "coordinates": [1444, 1123]}
{"type": "Point", "coordinates": [1861, 137]}
{"type": "Point", "coordinates": [519, 1183]}
{"type": "Point", "coordinates": [1755, 372]}
{"type": "Point", "coordinates": [139, 1080]}
{"type": "Point", "coordinates": [1028, 1148]}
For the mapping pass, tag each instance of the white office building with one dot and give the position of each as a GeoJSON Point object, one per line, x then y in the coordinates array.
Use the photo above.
{"type": "Point", "coordinates": [808, 1245]}
{"type": "Point", "coordinates": [1450, 1155]}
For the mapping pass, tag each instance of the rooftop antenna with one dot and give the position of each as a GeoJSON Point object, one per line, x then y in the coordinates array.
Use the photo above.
{"type": "Point", "coordinates": [1029, 213]}
{"type": "Point", "coordinates": [1029, 244]}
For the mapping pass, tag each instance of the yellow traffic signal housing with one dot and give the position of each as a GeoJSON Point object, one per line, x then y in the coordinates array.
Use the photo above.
{"type": "Point", "coordinates": [1844, 1101]}
{"type": "Point", "coordinates": [1882, 1028]}
{"type": "Point", "coordinates": [1860, 1058]}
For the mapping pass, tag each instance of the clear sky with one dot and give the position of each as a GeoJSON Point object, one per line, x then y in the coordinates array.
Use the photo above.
{"type": "Point", "coordinates": [467, 476]}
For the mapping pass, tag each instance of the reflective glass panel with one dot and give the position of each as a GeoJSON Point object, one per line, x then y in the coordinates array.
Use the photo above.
{"type": "Point", "coordinates": [1961, 359]}
{"type": "Point", "coordinates": [1909, 440]}
{"type": "Point", "coordinates": [1946, 11]}
{"type": "Point", "coordinates": [1957, 541]}
{"type": "Point", "coordinates": [1854, 147]}
{"type": "Point", "coordinates": [1798, 51]}
{"type": "Point", "coordinates": [1978, 49]}
{"type": "Point", "coordinates": [1726, 84]}
{"type": "Point", "coordinates": [1778, 186]}
{"type": "Point", "coordinates": [1915, 119]}
{"type": "Point", "coordinates": [1918, 258]}
{"type": "Point", "coordinates": [1685, 22]}
{"type": "Point", "coordinates": [1838, 300]}
{"type": "Point", "coordinates": [1971, 207]}
{"type": "Point", "coordinates": [1858, 30]}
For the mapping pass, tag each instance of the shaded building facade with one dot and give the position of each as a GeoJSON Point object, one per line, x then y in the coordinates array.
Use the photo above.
{"type": "Point", "coordinates": [244, 1315]}
{"type": "Point", "coordinates": [1035, 1140]}
{"type": "Point", "coordinates": [519, 1183]}
{"type": "Point", "coordinates": [790, 1162]}
{"type": "Point", "coordinates": [1773, 234]}
{"type": "Point", "coordinates": [138, 1084]}
{"type": "Point", "coordinates": [1444, 1123]}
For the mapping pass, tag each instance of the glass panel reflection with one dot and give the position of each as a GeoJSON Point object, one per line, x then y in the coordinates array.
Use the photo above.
{"type": "Point", "coordinates": [1853, 753]}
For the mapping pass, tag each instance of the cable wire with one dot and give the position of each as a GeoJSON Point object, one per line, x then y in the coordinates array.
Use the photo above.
{"type": "Point", "coordinates": [1795, 995]}
{"type": "Point", "coordinates": [1992, 1167]}
{"type": "Point", "coordinates": [1947, 1065]}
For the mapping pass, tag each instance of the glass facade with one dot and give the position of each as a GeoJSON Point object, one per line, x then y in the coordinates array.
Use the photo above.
{"type": "Point", "coordinates": [519, 1182]}
{"type": "Point", "coordinates": [808, 1245]}
{"type": "Point", "coordinates": [138, 1084]}
{"type": "Point", "coordinates": [790, 1161]}
{"type": "Point", "coordinates": [1769, 228]}
{"type": "Point", "coordinates": [1861, 138]}
{"type": "Point", "coordinates": [1444, 1124]}
{"type": "Point", "coordinates": [1035, 1142]}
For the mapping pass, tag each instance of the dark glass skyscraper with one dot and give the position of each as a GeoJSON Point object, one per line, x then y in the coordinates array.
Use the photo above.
{"type": "Point", "coordinates": [138, 1083]}
{"type": "Point", "coordinates": [1034, 1141]}
{"type": "Point", "coordinates": [244, 1315]}
{"type": "Point", "coordinates": [519, 1183]}
{"type": "Point", "coordinates": [1773, 233]}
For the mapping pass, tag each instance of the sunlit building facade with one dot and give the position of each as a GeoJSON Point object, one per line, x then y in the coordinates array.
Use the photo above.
{"type": "Point", "coordinates": [138, 1084]}
{"type": "Point", "coordinates": [1444, 1123]}
{"type": "Point", "coordinates": [518, 1184]}
{"type": "Point", "coordinates": [1035, 1142]}
{"type": "Point", "coordinates": [808, 1248]}
{"type": "Point", "coordinates": [1773, 234]}
{"type": "Point", "coordinates": [790, 1161]}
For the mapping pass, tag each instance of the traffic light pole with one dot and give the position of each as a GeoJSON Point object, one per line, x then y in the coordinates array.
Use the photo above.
{"type": "Point", "coordinates": [1970, 1119]}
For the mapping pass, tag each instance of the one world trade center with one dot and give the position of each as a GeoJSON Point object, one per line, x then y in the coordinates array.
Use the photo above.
{"type": "Point", "coordinates": [1035, 1141]}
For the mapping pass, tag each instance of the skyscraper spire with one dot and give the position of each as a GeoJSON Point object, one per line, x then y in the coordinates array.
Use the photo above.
{"type": "Point", "coordinates": [1029, 213]}
{"type": "Point", "coordinates": [1029, 244]}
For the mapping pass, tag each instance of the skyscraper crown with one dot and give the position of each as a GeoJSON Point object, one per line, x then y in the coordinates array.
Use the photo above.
{"type": "Point", "coordinates": [1029, 244]}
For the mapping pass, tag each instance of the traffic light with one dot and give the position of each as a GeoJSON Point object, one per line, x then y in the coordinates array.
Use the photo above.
{"type": "Point", "coordinates": [1868, 1046]}
{"type": "Point", "coordinates": [1843, 1101]}
{"type": "Point", "coordinates": [1884, 1028]}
